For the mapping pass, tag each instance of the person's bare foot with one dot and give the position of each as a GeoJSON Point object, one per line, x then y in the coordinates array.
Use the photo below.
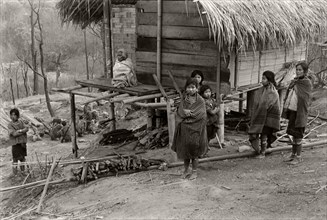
{"type": "Point", "coordinates": [186, 174]}
{"type": "Point", "coordinates": [194, 175]}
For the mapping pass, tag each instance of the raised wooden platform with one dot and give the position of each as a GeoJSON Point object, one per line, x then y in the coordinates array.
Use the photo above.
{"type": "Point", "coordinates": [105, 84]}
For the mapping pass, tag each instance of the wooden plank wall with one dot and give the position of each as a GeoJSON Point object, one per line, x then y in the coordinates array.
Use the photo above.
{"type": "Point", "coordinates": [185, 42]}
{"type": "Point", "coordinates": [251, 65]}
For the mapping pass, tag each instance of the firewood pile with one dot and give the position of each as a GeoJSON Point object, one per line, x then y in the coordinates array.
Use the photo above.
{"type": "Point", "coordinates": [117, 136]}
{"type": "Point", "coordinates": [157, 138]}
{"type": "Point", "coordinates": [112, 167]}
{"type": "Point", "coordinates": [148, 140]}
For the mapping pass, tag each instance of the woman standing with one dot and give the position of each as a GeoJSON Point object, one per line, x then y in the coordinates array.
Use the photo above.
{"type": "Point", "coordinates": [265, 118]}
{"type": "Point", "coordinates": [190, 138]}
{"type": "Point", "coordinates": [296, 110]}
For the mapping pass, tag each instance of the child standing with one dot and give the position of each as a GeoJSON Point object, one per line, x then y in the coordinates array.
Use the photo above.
{"type": "Point", "coordinates": [212, 111]}
{"type": "Point", "coordinates": [190, 138]}
{"type": "Point", "coordinates": [17, 134]}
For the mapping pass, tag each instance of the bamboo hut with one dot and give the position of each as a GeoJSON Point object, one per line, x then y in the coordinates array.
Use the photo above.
{"type": "Point", "coordinates": [253, 35]}
{"type": "Point", "coordinates": [230, 41]}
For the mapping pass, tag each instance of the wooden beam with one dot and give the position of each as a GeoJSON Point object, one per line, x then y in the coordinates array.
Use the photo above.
{"type": "Point", "coordinates": [174, 32]}
{"type": "Point", "coordinates": [146, 97]}
{"type": "Point", "coordinates": [172, 58]}
{"type": "Point", "coordinates": [68, 89]}
{"type": "Point", "coordinates": [197, 47]}
{"type": "Point", "coordinates": [173, 19]}
{"type": "Point", "coordinates": [181, 71]}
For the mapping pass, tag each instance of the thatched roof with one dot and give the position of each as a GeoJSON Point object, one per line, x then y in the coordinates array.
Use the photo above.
{"type": "Point", "coordinates": [281, 22]}
{"type": "Point", "coordinates": [85, 12]}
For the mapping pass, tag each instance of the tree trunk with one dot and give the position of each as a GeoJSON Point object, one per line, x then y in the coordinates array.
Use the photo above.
{"type": "Point", "coordinates": [45, 79]}
{"type": "Point", "coordinates": [58, 70]}
{"type": "Point", "coordinates": [24, 75]}
{"type": "Point", "coordinates": [17, 86]}
{"type": "Point", "coordinates": [34, 53]}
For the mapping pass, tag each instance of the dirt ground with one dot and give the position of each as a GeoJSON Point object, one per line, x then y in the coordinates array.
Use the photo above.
{"type": "Point", "coordinates": [245, 188]}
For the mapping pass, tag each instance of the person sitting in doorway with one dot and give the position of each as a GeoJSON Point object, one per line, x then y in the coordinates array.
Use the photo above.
{"type": "Point", "coordinates": [123, 71]}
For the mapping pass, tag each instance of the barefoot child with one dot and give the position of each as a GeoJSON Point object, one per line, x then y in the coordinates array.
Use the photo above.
{"type": "Point", "coordinates": [212, 111]}
{"type": "Point", "coordinates": [190, 138]}
{"type": "Point", "coordinates": [17, 134]}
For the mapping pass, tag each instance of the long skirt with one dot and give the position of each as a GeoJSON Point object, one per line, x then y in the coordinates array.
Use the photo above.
{"type": "Point", "coordinates": [189, 142]}
{"type": "Point", "coordinates": [296, 132]}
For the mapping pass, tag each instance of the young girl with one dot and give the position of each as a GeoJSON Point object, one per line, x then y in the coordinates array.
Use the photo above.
{"type": "Point", "coordinates": [198, 75]}
{"type": "Point", "coordinates": [190, 138]}
{"type": "Point", "coordinates": [17, 134]}
{"type": "Point", "coordinates": [265, 115]}
{"type": "Point", "coordinates": [212, 111]}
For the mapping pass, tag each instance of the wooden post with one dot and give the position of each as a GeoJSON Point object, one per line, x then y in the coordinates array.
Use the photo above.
{"type": "Point", "coordinates": [46, 185]}
{"type": "Point", "coordinates": [219, 102]}
{"type": "Point", "coordinates": [73, 119]}
{"type": "Point", "coordinates": [159, 30]}
{"type": "Point", "coordinates": [240, 103]}
{"type": "Point", "coordinates": [107, 21]}
{"type": "Point", "coordinates": [171, 122]}
{"type": "Point", "coordinates": [86, 59]}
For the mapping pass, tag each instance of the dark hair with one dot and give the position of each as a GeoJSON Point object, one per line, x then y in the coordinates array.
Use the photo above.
{"type": "Point", "coordinates": [197, 72]}
{"type": "Point", "coordinates": [14, 111]}
{"type": "Point", "coordinates": [270, 77]}
{"type": "Point", "coordinates": [203, 89]}
{"type": "Point", "coordinates": [304, 66]}
{"type": "Point", "coordinates": [64, 123]}
{"type": "Point", "coordinates": [191, 81]}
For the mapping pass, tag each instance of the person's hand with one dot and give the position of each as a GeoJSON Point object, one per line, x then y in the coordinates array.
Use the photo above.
{"type": "Point", "coordinates": [187, 112]}
{"type": "Point", "coordinates": [216, 110]}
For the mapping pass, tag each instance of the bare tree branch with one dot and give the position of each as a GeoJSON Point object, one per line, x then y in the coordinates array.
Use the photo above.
{"type": "Point", "coordinates": [29, 65]}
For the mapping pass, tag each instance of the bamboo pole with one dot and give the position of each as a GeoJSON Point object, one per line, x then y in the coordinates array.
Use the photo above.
{"type": "Point", "coordinates": [174, 83]}
{"type": "Point", "coordinates": [121, 97]}
{"type": "Point", "coordinates": [221, 112]}
{"type": "Point", "coordinates": [46, 185]}
{"type": "Point", "coordinates": [245, 154]}
{"type": "Point", "coordinates": [145, 97]}
{"type": "Point", "coordinates": [100, 98]}
{"type": "Point", "coordinates": [151, 104]}
{"type": "Point", "coordinates": [322, 143]}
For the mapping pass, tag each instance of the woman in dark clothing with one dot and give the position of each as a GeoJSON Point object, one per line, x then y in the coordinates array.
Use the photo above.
{"type": "Point", "coordinates": [265, 118]}
{"type": "Point", "coordinates": [296, 110]}
{"type": "Point", "coordinates": [190, 138]}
